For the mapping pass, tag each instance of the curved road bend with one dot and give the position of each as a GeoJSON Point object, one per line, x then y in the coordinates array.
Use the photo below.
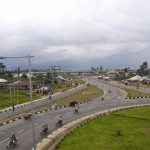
{"type": "Point", "coordinates": [23, 129]}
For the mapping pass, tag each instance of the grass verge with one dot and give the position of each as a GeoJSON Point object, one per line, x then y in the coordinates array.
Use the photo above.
{"type": "Point", "coordinates": [23, 97]}
{"type": "Point", "coordinates": [102, 133]}
{"type": "Point", "coordinates": [134, 93]}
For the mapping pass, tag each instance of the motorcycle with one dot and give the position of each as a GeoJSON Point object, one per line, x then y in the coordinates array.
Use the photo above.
{"type": "Point", "coordinates": [59, 123]}
{"type": "Point", "coordinates": [44, 131]}
{"type": "Point", "coordinates": [76, 110]}
{"type": "Point", "coordinates": [102, 99]}
{"type": "Point", "coordinates": [11, 144]}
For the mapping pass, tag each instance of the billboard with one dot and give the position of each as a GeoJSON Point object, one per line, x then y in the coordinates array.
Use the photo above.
{"type": "Point", "coordinates": [55, 68]}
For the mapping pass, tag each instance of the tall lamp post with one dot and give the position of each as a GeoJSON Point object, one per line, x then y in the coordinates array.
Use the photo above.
{"type": "Point", "coordinates": [31, 100]}
{"type": "Point", "coordinates": [109, 101]}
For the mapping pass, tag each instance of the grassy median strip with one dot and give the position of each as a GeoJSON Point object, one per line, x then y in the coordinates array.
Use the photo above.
{"type": "Point", "coordinates": [88, 93]}
{"type": "Point", "coordinates": [135, 93]}
{"type": "Point", "coordinates": [112, 132]}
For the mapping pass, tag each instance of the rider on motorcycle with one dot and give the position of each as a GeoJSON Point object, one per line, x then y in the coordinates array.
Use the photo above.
{"type": "Point", "coordinates": [60, 120]}
{"type": "Point", "coordinates": [13, 139]}
{"type": "Point", "coordinates": [76, 108]}
{"type": "Point", "coordinates": [45, 127]}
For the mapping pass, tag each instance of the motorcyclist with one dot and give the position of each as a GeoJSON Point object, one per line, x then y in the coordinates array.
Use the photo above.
{"type": "Point", "coordinates": [45, 127]}
{"type": "Point", "coordinates": [76, 108]}
{"type": "Point", "coordinates": [55, 106]}
{"type": "Point", "coordinates": [60, 120]}
{"type": "Point", "coordinates": [13, 139]}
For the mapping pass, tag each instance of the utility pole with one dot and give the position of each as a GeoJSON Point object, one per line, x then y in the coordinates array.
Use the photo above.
{"type": "Point", "coordinates": [31, 100]}
{"type": "Point", "coordinates": [109, 101]}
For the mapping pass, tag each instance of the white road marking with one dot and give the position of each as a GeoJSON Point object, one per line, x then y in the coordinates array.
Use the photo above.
{"type": "Point", "coordinates": [4, 141]}
{"type": "Point", "coordinates": [20, 131]}
{"type": "Point", "coordinates": [36, 124]}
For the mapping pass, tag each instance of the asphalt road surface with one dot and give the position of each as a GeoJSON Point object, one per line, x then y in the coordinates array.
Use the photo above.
{"type": "Point", "coordinates": [23, 128]}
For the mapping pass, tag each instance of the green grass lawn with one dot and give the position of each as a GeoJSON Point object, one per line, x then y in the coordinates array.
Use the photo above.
{"type": "Point", "coordinates": [23, 97]}
{"type": "Point", "coordinates": [101, 133]}
{"type": "Point", "coordinates": [134, 93]}
{"type": "Point", "coordinates": [86, 94]}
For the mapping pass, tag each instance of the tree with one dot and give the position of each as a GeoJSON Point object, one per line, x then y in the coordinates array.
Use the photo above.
{"type": "Point", "coordinates": [144, 66]}
{"type": "Point", "coordinates": [24, 76]}
{"type": "Point", "coordinates": [125, 72]}
{"type": "Point", "coordinates": [101, 68]}
{"type": "Point", "coordinates": [2, 67]}
{"type": "Point", "coordinates": [143, 70]}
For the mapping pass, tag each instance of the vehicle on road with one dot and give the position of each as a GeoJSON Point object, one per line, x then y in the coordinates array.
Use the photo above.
{"type": "Point", "coordinates": [76, 109]}
{"type": "Point", "coordinates": [102, 98]}
{"type": "Point", "coordinates": [60, 121]}
{"type": "Point", "coordinates": [12, 142]}
{"type": "Point", "coordinates": [44, 129]}
{"type": "Point", "coordinates": [27, 116]}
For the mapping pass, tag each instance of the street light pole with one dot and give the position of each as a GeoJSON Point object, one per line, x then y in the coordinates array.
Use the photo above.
{"type": "Point", "coordinates": [31, 100]}
{"type": "Point", "coordinates": [109, 101]}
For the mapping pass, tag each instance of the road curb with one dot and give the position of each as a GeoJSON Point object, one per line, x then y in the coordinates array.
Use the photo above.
{"type": "Point", "coordinates": [142, 97]}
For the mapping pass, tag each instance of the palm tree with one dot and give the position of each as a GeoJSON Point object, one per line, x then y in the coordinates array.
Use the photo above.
{"type": "Point", "coordinates": [2, 67]}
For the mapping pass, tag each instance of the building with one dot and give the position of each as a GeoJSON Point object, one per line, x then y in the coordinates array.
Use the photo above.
{"type": "Point", "coordinates": [113, 74]}
{"type": "Point", "coordinates": [3, 82]}
{"type": "Point", "coordinates": [25, 84]}
{"type": "Point", "coordinates": [61, 80]}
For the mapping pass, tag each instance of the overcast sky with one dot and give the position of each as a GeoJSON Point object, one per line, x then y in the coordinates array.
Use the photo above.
{"type": "Point", "coordinates": [76, 34]}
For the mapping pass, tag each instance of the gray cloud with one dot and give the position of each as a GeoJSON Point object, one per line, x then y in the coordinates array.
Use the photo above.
{"type": "Point", "coordinates": [76, 33]}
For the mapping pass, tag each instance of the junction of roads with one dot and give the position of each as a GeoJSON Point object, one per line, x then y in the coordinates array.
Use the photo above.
{"type": "Point", "coordinates": [23, 128]}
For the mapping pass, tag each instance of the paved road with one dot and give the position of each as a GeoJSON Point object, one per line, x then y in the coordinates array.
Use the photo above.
{"type": "Point", "coordinates": [23, 127]}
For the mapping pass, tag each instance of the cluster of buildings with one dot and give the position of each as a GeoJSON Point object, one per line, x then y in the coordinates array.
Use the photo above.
{"type": "Point", "coordinates": [37, 85]}
{"type": "Point", "coordinates": [135, 79]}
